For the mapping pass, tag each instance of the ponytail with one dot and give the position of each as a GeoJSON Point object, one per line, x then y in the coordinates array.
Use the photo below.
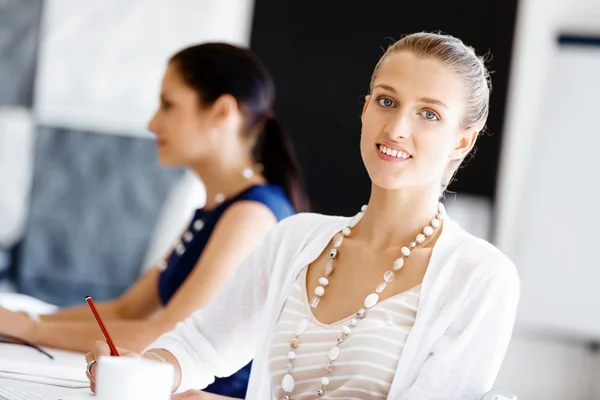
{"type": "Point", "coordinates": [275, 151]}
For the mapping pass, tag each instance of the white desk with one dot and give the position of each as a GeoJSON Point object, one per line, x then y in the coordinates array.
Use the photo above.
{"type": "Point", "coordinates": [48, 390]}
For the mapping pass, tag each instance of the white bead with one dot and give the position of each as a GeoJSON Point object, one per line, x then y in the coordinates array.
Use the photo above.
{"type": "Point", "coordinates": [381, 287]}
{"type": "Point", "coordinates": [334, 353]}
{"type": "Point", "coordinates": [441, 208]}
{"type": "Point", "coordinates": [371, 300]}
{"type": "Point", "coordinates": [346, 330]}
{"type": "Point", "coordinates": [198, 225]}
{"type": "Point", "coordinates": [324, 381]}
{"type": "Point", "coordinates": [346, 231]}
{"type": "Point", "coordinates": [405, 251]}
{"type": "Point", "coordinates": [353, 322]}
{"type": "Point", "coordinates": [247, 173]}
{"type": "Point", "coordinates": [180, 249]}
{"type": "Point", "coordinates": [440, 216]}
{"type": "Point", "coordinates": [288, 383]}
{"type": "Point", "coordinates": [319, 291]}
{"type": "Point", "coordinates": [219, 198]}
{"type": "Point", "coordinates": [420, 238]}
{"type": "Point", "coordinates": [355, 220]}
{"type": "Point", "coordinates": [388, 276]}
{"type": "Point", "coordinates": [301, 327]}
{"type": "Point", "coordinates": [398, 264]}
{"type": "Point", "coordinates": [188, 236]}
{"type": "Point", "coordinates": [292, 355]}
{"type": "Point", "coordinates": [363, 208]}
{"type": "Point", "coordinates": [435, 222]}
{"type": "Point", "coordinates": [337, 240]}
{"type": "Point", "coordinates": [428, 231]}
{"type": "Point", "coordinates": [323, 281]}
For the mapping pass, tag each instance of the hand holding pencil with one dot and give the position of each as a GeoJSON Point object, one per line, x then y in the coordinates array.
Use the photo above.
{"type": "Point", "coordinates": [102, 349]}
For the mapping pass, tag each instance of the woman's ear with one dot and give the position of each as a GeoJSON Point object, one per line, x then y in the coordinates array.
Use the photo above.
{"type": "Point", "coordinates": [465, 143]}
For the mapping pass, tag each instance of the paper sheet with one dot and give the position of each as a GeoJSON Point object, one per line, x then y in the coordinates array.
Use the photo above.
{"type": "Point", "coordinates": [27, 364]}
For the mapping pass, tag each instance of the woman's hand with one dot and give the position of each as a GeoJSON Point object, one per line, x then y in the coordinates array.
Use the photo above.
{"type": "Point", "coordinates": [16, 324]}
{"type": "Point", "coordinates": [101, 349]}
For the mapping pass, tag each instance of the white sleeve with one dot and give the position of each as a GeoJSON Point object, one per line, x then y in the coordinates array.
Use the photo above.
{"type": "Point", "coordinates": [464, 363]}
{"type": "Point", "coordinates": [221, 338]}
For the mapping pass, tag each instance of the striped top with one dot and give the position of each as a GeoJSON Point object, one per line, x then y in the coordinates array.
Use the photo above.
{"type": "Point", "coordinates": [368, 358]}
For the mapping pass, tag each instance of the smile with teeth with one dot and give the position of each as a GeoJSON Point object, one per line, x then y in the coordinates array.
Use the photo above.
{"type": "Point", "coordinates": [392, 152]}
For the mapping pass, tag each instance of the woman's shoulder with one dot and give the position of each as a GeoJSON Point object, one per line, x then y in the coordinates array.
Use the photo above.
{"type": "Point", "coordinates": [308, 224]}
{"type": "Point", "coordinates": [479, 255]}
{"type": "Point", "coordinates": [272, 196]}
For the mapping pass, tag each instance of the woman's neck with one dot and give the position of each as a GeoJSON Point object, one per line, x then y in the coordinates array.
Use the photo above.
{"type": "Point", "coordinates": [225, 180]}
{"type": "Point", "coordinates": [395, 217]}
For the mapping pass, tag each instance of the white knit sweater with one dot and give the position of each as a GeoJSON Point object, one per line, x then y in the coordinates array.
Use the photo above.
{"type": "Point", "coordinates": [464, 322]}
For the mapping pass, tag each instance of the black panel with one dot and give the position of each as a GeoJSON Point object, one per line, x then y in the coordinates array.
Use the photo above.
{"type": "Point", "coordinates": [321, 54]}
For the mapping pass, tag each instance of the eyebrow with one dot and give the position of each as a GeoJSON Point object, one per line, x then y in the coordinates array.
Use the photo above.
{"type": "Point", "coordinates": [428, 100]}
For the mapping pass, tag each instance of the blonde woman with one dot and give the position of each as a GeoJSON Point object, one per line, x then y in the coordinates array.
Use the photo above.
{"type": "Point", "coordinates": [397, 302]}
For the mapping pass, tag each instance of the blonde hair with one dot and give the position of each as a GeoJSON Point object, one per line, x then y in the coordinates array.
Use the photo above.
{"type": "Point", "coordinates": [465, 63]}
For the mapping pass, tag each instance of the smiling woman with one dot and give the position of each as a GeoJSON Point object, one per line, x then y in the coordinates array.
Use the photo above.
{"type": "Point", "coordinates": [398, 302]}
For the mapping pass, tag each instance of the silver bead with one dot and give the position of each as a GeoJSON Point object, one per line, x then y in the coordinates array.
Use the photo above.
{"type": "Point", "coordinates": [320, 392]}
{"type": "Point", "coordinates": [412, 245]}
{"type": "Point", "coordinates": [188, 236]}
{"type": "Point", "coordinates": [290, 367]}
{"type": "Point", "coordinates": [180, 249]}
{"type": "Point", "coordinates": [360, 314]}
{"type": "Point", "coordinates": [333, 253]}
{"type": "Point", "coordinates": [287, 398]}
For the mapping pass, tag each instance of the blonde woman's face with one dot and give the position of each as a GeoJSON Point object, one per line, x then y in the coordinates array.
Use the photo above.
{"type": "Point", "coordinates": [411, 122]}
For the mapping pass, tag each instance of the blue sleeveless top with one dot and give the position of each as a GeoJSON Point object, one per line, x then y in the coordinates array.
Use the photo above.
{"type": "Point", "coordinates": [183, 259]}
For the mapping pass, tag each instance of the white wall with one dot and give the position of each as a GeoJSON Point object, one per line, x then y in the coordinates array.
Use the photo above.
{"type": "Point", "coordinates": [100, 63]}
{"type": "Point", "coordinates": [537, 367]}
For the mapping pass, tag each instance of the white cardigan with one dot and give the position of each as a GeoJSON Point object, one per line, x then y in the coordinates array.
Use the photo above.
{"type": "Point", "coordinates": [464, 322]}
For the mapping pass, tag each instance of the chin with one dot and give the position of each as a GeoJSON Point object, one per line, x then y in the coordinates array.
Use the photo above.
{"type": "Point", "coordinates": [167, 161]}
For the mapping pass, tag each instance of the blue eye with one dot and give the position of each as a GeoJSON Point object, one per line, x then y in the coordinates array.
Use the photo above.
{"type": "Point", "coordinates": [429, 115]}
{"type": "Point", "coordinates": [385, 102]}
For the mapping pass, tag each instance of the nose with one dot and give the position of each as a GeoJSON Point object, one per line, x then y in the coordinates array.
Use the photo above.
{"type": "Point", "coordinates": [153, 123]}
{"type": "Point", "coordinates": [398, 126]}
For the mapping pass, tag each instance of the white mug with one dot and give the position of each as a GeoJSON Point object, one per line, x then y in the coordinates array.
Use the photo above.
{"type": "Point", "coordinates": [123, 378]}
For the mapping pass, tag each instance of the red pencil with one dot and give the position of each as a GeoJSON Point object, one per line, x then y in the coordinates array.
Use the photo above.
{"type": "Point", "coordinates": [111, 344]}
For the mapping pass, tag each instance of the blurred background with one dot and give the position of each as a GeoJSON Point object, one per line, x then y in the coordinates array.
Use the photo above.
{"type": "Point", "coordinates": [85, 208]}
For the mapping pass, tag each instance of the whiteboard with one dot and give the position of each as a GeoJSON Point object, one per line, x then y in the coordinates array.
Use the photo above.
{"type": "Point", "coordinates": [556, 233]}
